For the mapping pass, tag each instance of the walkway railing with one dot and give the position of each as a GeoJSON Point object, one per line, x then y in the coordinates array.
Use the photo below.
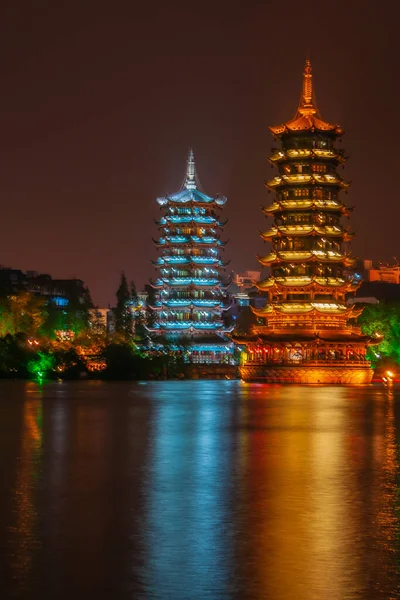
{"type": "Point", "coordinates": [312, 363]}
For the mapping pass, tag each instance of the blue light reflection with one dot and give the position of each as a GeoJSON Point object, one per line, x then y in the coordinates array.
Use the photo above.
{"type": "Point", "coordinates": [189, 511]}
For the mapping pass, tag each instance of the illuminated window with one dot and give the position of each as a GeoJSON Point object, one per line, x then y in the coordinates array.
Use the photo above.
{"type": "Point", "coordinates": [301, 192]}
{"type": "Point", "coordinates": [317, 168]}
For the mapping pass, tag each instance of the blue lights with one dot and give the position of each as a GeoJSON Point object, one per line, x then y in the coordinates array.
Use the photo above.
{"type": "Point", "coordinates": [203, 325]}
{"type": "Point", "coordinates": [185, 281]}
{"type": "Point", "coordinates": [204, 260]}
{"type": "Point", "coordinates": [179, 219]}
{"type": "Point", "coordinates": [177, 303]}
{"type": "Point", "coordinates": [177, 239]}
{"type": "Point", "coordinates": [206, 303]}
{"type": "Point", "coordinates": [175, 325]}
{"type": "Point", "coordinates": [176, 259]}
{"type": "Point", "coordinates": [181, 325]}
{"type": "Point", "coordinates": [189, 290]}
{"type": "Point", "coordinates": [205, 239]}
{"type": "Point", "coordinates": [212, 348]}
{"type": "Point", "coordinates": [59, 300]}
{"type": "Point", "coordinates": [204, 220]}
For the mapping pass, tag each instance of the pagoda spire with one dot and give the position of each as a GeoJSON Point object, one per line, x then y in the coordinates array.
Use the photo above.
{"type": "Point", "coordinates": [307, 99]}
{"type": "Point", "coordinates": [190, 182]}
{"type": "Point", "coordinates": [307, 117]}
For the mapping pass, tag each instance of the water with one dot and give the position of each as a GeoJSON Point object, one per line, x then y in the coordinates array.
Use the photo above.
{"type": "Point", "coordinates": [198, 490]}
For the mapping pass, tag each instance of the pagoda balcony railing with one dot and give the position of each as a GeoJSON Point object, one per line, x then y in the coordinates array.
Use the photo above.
{"type": "Point", "coordinates": [307, 327]}
{"type": "Point", "coordinates": [312, 363]}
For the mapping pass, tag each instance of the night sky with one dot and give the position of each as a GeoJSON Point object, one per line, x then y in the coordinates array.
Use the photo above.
{"type": "Point", "coordinates": [100, 103]}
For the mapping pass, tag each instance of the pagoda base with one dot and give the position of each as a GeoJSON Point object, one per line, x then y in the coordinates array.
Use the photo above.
{"type": "Point", "coordinates": [303, 374]}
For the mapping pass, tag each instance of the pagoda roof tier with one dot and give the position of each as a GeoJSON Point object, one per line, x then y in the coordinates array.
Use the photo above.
{"type": "Point", "coordinates": [191, 326]}
{"type": "Point", "coordinates": [190, 303]}
{"type": "Point", "coordinates": [306, 256]}
{"type": "Point", "coordinates": [194, 196]}
{"type": "Point", "coordinates": [307, 282]}
{"type": "Point", "coordinates": [306, 179]}
{"type": "Point", "coordinates": [207, 271]}
{"type": "Point", "coordinates": [307, 204]}
{"type": "Point", "coordinates": [197, 281]}
{"type": "Point", "coordinates": [169, 305]}
{"type": "Point", "coordinates": [309, 308]}
{"type": "Point", "coordinates": [206, 260]}
{"type": "Point", "coordinates": [158, 285]}
{"type": "Point", "coordinates": [307, 230]}
{"type": "Point", "coordinates": [203, 340]}
{"type": "Point", "coordinates": [174, 240]}
{"type": "Point", "coordinates": [296, 154]}
{"type": "Point", "coordinates": [307, 117]}
{"type": "Point", "coordinates": [189, 220]}
{"type": "Point", "coordinates": [188, 287]}
{"type": "Point", "coordinates": [302, 122]}
{"type": "Point", "coordinates": [190, 260]}
{"type": "Point", "coordinates": [345, 337]}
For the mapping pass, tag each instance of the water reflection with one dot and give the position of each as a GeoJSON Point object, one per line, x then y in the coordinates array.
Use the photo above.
{"type": "Point", "coordinates": [387, 500]}
{"type": "Point", "coordinates": [188, 524]}
{"type": "Point", "coordinates": [306, 495]}
{"type": "Point", "coordinates": [25, 542]}
{"type": "Point", "coordinates": [203, 490]}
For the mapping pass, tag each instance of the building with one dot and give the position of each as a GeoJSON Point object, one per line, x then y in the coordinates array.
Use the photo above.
{"type": "Point", "coordinates": [98, 319]}
{"type": "Point", "coordinates": [247, 279]}
{"type": "Point", "coordinates": [385, 273]}
{"type": "Point", "coordinates": [373, 292]}
{"type": "Point", "coordinates": [189, 295]}
{"type": "Point", "coordinates": [306, 332]}
{"type": "Point", "coordinates": [12, 281]}
{"type": "Point", "coordinates": [62, 292]}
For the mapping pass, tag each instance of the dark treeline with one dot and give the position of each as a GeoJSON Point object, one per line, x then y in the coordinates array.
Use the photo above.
{"type": "Point", "coordinates": [40, 339]}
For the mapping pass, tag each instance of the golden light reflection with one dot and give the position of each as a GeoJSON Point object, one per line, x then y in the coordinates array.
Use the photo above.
{"type": "Point", "coordinates": [310, 460]}
{"type": "Point", "coordinates": [387, 496]}
{"type": "Point", "coordinates": [334, 526]}
{"type": "Point", "coordinates": [24, 538]}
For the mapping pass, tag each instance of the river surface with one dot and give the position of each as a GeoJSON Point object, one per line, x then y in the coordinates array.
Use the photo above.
{"type": "Point", "coordinates": [199, 490]}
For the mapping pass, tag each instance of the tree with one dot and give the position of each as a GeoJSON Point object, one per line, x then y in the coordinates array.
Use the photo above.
{"type": "Point", "coordinates": [22, 313]}
{"type": "Point", "coordinates": [122, 362]}
{"type": "Point", "coordinates": [123, 311]}
{"type": "Point", "coordinates": [382, 322]}
{"type": "Point", "coordinates": [41, 365]}
{"type": "Point", "coordinates": [151, 300]}
{"type": "Point", "coordinates": [14, 356]}
{"type": "Point", "coordinates": [134, 296]}
{"type": "Point", "coordinates": [78, 310]}
{"type": "Point", "coordinates": [245, 321]}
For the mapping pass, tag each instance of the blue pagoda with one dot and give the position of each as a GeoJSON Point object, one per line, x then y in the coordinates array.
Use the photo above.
{"type": "Point", "coordinates": [190, 297]}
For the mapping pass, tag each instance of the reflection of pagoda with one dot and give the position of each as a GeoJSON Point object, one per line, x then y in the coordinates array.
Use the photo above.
{"type": "Point", "coordinates": [307, 335]}
{"type": "Point", "coordinates": [190, 294]}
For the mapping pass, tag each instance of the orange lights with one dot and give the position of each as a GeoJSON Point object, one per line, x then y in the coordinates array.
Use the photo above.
{"type": "Point", "coordinates": [388, 378]}
{"type": "Point", "coordinates": [96, 365]}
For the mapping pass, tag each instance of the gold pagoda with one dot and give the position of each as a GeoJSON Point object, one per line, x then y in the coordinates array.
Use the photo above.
{"type": "Point", "coordinates": [306, 333]}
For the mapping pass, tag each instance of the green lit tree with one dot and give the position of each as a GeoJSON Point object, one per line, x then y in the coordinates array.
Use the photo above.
{"type": "Point", "coordinates": [382, 322]}
{"type": "Point", "coordinates": [42, 365]}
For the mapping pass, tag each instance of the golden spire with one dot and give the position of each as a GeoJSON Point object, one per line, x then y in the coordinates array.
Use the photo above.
{"type": "Point", "coordinates": [307, 99]}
